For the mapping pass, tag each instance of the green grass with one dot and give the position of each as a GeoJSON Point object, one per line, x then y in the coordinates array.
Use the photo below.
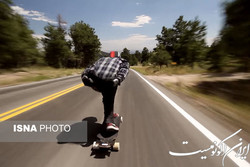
{"type": "Point", "coordinates": [227, 98]}
{"type": "Point", "coordinates": [32, 74]}
{"type": "Point", "coordinates": [238, 113]}
{"type": "Point", "coordinates": [35, 78]}
{"type": "Point", "coordinates": [156, 70]}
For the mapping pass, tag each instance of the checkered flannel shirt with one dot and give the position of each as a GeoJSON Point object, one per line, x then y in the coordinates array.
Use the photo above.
{"type": "Point", "coordinates": [108, 68]}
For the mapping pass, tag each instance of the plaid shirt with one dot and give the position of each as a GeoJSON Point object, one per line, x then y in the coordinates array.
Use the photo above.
{"type": "Point", "coordinates": [107, 68]}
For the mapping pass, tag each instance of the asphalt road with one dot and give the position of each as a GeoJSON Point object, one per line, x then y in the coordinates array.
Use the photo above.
{"type": "Point", "coordinates": [152, 128]}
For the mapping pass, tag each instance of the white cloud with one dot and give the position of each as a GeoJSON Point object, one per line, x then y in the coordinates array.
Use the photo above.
{"type": "Point", "coordinates": [138, 3]}
{"type": "Point", "coordinates": [45, 19]}
{"type": "Point", "coordinates": [210, 40]}
{"type": "Point", "coordinates": [133, 42]}
{"type": "Point", "coordinates": [32, 14]}
{"type": "Point", "coordinates": [68, 38]}
{"type": "Point", "coordinates": [138, 22]}
{"type": "Point", "coordinates": [39, 36]}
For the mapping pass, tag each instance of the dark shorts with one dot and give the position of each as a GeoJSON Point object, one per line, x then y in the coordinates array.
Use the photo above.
{"type": "Point", "coordinates": [100, 85]}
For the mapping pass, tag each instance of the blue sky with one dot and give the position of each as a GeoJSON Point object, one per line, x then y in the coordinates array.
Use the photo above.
{"type": "Point", "coordinates": [122, 23]}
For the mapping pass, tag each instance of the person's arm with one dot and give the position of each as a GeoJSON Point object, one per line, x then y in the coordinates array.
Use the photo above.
{"type": "Point", "coordinates": [123, 70]}
{"type": "Point", "coordinates": [85, 76]}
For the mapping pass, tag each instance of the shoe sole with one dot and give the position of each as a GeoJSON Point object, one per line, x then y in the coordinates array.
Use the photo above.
{"type": "Point", "coordinates": [113, 128]}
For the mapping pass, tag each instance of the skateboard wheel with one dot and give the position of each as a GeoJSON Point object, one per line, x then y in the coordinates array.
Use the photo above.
{"type": "Point", "coordinates": [121, 119]}
{"type": "Point", "coordinates": [116, 146]}
{"type": "Point", "coordinates": [95, 145]}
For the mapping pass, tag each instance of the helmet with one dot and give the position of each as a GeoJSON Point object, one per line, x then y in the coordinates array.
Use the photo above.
{"type": "Point", "coordinates": [114, 54]}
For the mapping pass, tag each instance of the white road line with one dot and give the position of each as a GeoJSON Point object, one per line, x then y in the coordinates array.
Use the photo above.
{"type": "Point", "coordinates": [199, 126]}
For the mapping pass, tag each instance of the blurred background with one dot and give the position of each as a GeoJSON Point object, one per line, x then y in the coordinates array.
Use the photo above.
{"type": "Point", "coordinates": [214, 73]}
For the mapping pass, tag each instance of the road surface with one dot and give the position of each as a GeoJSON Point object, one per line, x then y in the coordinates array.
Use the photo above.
{"type": "Point", "coordinates": [152, 128]}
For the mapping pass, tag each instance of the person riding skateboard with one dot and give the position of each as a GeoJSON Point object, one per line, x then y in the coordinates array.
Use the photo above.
{"type": "Point", "coordinates": [104, 76]}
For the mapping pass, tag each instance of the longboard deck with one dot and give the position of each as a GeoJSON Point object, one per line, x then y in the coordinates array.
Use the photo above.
{"type": "Point", "coordinates": [106, 139]}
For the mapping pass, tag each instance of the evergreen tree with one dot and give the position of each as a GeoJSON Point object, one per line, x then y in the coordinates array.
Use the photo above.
{"type": "Point", "coordinates": [57, 50]}
{"type": "Point", "coordinates": [145, 55]}
{"type": "Point", "coordinates": [138, 56]}
{"type": "Point", "coordinates": [126, 54]}
{"type": "Point", "coordinates": [236, 32]}
{"type": "Point", "coordinates": [17, 46]}
{"type": "Point", "coordinates": [216, 56]}
{"type": "Point", "coordinates": [185, 42]}
{"type": "Point", "coordinates": [86, 43]}
{"type": "Point", "coordinates": [161, 56]}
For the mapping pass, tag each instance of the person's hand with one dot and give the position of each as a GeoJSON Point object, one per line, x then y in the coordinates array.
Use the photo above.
{"type": "Point", "coordinates": [85, 77]}
{"type": "Point", "coordinates": [91, 80]}
{"type": "Point", "coordinates": [116, 82]}
{"type": "Point", "coordinates": [87, 81]}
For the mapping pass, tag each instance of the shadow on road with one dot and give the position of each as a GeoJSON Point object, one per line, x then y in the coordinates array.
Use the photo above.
{"type": "Point", "coordinates": [77, 133]}
{"type": "Point", "coordinates": [100, 154]}
{"type": "Point", "coordinates": [93, 128]}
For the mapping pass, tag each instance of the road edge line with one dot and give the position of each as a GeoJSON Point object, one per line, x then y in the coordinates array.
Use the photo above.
{"type": "Point", "coordinates": [195, 123]}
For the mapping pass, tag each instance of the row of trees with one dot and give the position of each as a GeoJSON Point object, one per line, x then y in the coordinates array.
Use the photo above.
{"type": "Point", "coordinates": [81, 51]}
{"type": "Point", "coordinates": [184, 43]}
{"type": "Point", "coordinates": [157, 57]}
{"type": "Point", "coordinates": [19, 48]}
{"type": "Point", "coordinates": [138, 57]}
{"type": "Point", "coordinates": [232, 45]}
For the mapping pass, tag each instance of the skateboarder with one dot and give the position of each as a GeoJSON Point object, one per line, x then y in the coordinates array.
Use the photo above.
{"type": "Point", "coordinates": [104, 76]}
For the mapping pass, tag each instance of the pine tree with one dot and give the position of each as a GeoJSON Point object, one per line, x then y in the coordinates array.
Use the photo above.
{"type": "Point", "coordinates": [86, 43]}
{"type": "Point", "coordinates": [17, 46]}
{"type": "Point", "coordinates": [57, 50]}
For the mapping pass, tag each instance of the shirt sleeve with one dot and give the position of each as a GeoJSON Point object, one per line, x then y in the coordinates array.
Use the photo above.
{"type": "Point", "coordinates": [87, 70]}
{"type": "Point", "coordinates": [123, 70]}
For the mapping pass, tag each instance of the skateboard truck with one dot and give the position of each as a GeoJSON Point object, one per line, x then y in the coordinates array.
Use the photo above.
{"type": "Point", "coordinates": [100, 145]}
{"type": "Point", "coordinates": [107, 140]}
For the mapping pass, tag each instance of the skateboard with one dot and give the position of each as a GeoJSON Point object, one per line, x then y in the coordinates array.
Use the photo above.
{"type": "Point", "coordinates": [106, 139]}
